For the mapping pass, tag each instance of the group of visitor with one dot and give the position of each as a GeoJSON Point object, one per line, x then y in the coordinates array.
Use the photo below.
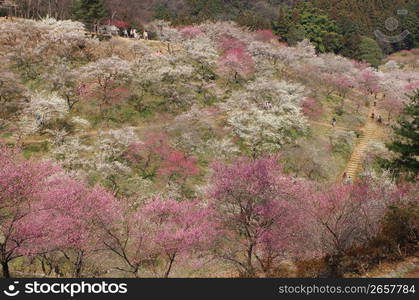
{"type": "Point", "coordinates": [132, 33]}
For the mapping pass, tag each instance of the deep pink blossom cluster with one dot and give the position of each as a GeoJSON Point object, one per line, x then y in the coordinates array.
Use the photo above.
{"type": "Point", "coordinates": [155, 157]}
{"type": "Point", "coordinates": [253, 216]}
{"type": "Point", "coordinates": [235, 60]}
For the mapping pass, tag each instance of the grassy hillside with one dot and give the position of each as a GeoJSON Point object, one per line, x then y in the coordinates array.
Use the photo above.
{"type": "Point", "coordinates": [156, 119]}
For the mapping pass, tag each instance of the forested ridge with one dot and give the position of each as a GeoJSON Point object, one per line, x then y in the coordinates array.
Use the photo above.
{"type": "Point", "coordinates": [336, 26]}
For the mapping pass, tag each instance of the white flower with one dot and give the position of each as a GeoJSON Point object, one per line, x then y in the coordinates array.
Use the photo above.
{"type": "Point", "coordinates": [267, 115]}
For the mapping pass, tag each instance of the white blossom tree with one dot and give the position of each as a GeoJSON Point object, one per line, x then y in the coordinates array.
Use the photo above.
{"type": "Point", "coordinates": [104, 77]}
{"type": "Point", "coordinates": [267, 114]}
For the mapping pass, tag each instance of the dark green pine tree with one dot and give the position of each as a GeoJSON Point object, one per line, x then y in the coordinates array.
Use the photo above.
{"type": "Point", "coordinates": [406, 144]}
{"type": "Point", "coordinates": [370, 51]}
{"type": "Point", "coordinates": [90, 12]}
{"type": "Point", "coordinates": [281, 24]}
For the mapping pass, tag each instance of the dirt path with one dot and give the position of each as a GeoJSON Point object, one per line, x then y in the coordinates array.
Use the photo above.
{"type": "Point", "coordinates": [330, 125]}
{"type": "Point", "coordinates": [164, 47]}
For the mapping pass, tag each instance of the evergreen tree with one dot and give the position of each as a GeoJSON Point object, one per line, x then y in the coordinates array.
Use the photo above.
{"type": "Point", "coordinates": [90, 12]}
{"type": "Point", "coordinates": [310, 22]}
{"type": "Point", "coordinates": [162, 12]}
{"type": "Point", "coordinates": [406, 144]}
{"type": "Point", "coordinates": [370, 51]}
{"type": "Point", "coordinates": [281, 25]}
{"type": "Point", "coordinates": [351, 46]}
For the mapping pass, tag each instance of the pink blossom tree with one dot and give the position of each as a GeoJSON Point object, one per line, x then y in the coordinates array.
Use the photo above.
{"type": "Point", "coordinates": [74, 215]}
{"type": "Point", "coordinates": [158, 233]}
{"type": "Point", "coordinates": [412, 86]}
{"type": "Point", "coordinates": [312, 107]}
{"type": "Point", "coordinates": [156, 157]}
{"type": "Point", "coordinates": [347, 215]}
{"type": "Point", "coordinates": [338, 83]}
{"type": "Point", "coordinates": [21, 181]}
{"type": "Point", "coordinates": [179, 229]}
{"type": "Point", "coordinates": [235, 59]}
{"type": "Point", "coordinates": [177, 166]}
{"type": "Point", "coordinates": [258, 210]}
{"type": "Point", "coordinates": [392, 105]}
{"type": "Point", "coordinates": [368, 81]}
{"type": "Point", "coordinates": [146, 156]}
{"type": "Point", "coordinates": [105, 77]}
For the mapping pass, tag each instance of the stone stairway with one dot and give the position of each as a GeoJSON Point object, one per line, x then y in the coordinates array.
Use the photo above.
{"type": "Point", "coordinates": [355, 162]}
{"type": "Point", "coordinates": [370, 132]}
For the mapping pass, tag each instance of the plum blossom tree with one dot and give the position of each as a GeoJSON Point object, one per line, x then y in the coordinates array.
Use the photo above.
{"type": "Point", "coordinates": [202, 49]}
{"type": "Point", "coordinates": [267, 114]}
{"type": "Point", "coordinates": [62, 38]}
{"type": "Point", "coordinates": [393, 106]}
{"type": "Point", "coordinates": [146, 156]}
{"type": "Point", "coordinates": [339, 83]}
{"type": "Point", "coordinates": [156, 158]}
{"type": "Point", "coordinates": [102, 159]}
{"type": "Point", "coordinates": [257, 208]}
{"type": "Point", "coordinates": [179, 229]}
{"type": "Point", "coordinates": [396, 85]}
{"type": "Point", "coordinates": [306, 49]}
{"type": "Point", "coordinates": [105, 76]}
{"type": "Point", "coordinates": [164, 31]}
{"type": "Point", "coordinates": [13, 95]}
{"type": "Point", "coordinates": [44, 109]}
{"type": "Point", "coordinates": [19, 40]}
{"type": "Point", "coordinates": [152, 238]}
{"type": "Point", "coordinates": [368, 81]}
{"type": "Point", "coordinates": [31, 44]}
{"type": "Point", "coordinates": [74, 216]}
{"type": "Point", "coordinates": [347, 215]}
{"type": "Point", "coordinates": [235, 60]}
{"type": "Point", "coordinates": [166, 76]}
{"type": "Point", "coordinates": [190, 31]}
{"type": "Point", "coordinates": [21, 181]}
{"type": "Point", "coordinates": [177, 166]}
{"type": "Point", "coordinates": [62, 79]}
{"type": "Point", "coordinates": [312, 108]}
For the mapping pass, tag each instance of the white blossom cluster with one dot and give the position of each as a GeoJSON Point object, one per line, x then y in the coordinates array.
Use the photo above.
{"type": "Point", "coordinates": [99, 158]}
{"type": "Point", "coordinates": [105, 69]}
{"type": "Point", "coordinates": [267, 114]}
{"type": "Point", "coordinates": [42, 109]}
{"type": "Point", "coordinates": [201, 48]}
{"type": "Point", "coordinates": [164, 31]}
{"type": "Point", "coordinates": [216, 31]}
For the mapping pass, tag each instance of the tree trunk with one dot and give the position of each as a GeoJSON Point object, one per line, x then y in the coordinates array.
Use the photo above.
{"type": "Point", "coordinates": [171, 260]}
{"type": "Point", "coordinates": [334, 262]}
{"type": "Point", "coordinates": [78, 266]}
{"type": "Point", "coordinates": [249, 264]}
{"type": "Point", "coordinates": [6, 272]}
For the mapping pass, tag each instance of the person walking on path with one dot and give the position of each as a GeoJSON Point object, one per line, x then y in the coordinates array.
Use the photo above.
{"type": "Point", "coordinates": [334, 121]}
{"type": "Point", "coordinates": [145, 35]}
